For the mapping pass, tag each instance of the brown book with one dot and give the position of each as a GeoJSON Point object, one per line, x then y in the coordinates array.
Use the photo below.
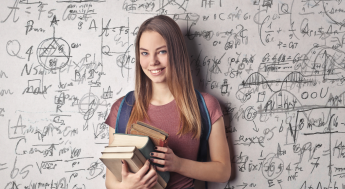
{"type": "Point", "coordinates": [112, 156]}
{"type": "Point", "coordinates": [158, 136]}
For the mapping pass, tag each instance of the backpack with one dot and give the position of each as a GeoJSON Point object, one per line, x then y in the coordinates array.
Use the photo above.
{"type": "Point", "coordinates": [125, 110]}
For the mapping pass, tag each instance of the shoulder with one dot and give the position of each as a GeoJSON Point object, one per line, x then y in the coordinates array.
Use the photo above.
{"type": "Point", "coordinates": [213, 106]}
{"type": "Point", "coordinates": [209, 99]}
{"type": "Point", "coordinates": [115, 107]}
{"type": "Point", "coordinates": [111, 119]}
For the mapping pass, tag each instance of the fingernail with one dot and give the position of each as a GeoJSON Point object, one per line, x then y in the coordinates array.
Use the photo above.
{"type": "Point", "coordinates": [151, 154]}
{"type": "Point", "coordinates": [122, 161]}
{"type": "Point", "coordinates": [155, 147]}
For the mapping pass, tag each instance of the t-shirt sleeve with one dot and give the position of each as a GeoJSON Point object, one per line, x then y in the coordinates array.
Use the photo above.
{"type": "Point", "coordinates": [213, 107]}
{"type": "Point", "coordinates": [111, 119]}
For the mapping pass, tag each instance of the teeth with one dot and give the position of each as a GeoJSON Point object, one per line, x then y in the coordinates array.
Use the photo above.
{"type": "Point", "coordinates": [156, 71]}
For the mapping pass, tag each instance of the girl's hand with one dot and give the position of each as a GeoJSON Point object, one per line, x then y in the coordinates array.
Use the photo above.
{"type": "Point", "coordinates": [170, 161]}
{"type": "Point", "coordinates": [139, 180]}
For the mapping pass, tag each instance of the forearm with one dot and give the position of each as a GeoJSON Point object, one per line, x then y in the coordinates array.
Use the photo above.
{"type": "Point", "coordinates": [217, 170]}
{"type": "Point", "coordinates": [113, 185]}
{"type": "Point", "coordinates": [213, 171]}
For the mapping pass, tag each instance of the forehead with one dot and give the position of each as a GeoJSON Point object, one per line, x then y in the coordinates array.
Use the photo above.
{"type": "Point", "coordinates": [151, 39]}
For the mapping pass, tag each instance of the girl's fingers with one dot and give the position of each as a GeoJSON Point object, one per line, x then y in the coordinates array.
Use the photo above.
{"type": "Point", "coordinates": [162, 149]}
{"type": "Point", "coordinates": [152, 184]}
{"type": "Point", "coordinates": [159, 155]}
{"type": "Point", "coordinates": [162, 169]}
{"type": "Point", "coordinates": [152, 173]}
{"type": "Point", "coordinates": [144, 169]}
{"type": "Point", "coordinates": [152, 181]}
{"type": "Point", "coordinates": [158, 161]}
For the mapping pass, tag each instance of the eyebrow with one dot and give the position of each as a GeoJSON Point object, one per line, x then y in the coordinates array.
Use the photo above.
{"type": "Point", "coordinates": [156, 49]}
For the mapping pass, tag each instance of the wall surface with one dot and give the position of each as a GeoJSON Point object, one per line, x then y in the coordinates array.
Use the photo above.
{"type": "Point", "coordinates": [277, 68]}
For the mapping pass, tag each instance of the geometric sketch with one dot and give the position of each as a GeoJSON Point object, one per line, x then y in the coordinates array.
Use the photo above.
{"type": "Point", "coordinates": [53, 53]}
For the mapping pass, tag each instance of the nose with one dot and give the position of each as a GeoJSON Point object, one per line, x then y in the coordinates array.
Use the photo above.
{"type": "Point", "coordinates": [153, 60]}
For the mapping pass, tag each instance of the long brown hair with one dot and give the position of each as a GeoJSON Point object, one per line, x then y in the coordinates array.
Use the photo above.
{"type": "Point", "coordinates": [179, 78]}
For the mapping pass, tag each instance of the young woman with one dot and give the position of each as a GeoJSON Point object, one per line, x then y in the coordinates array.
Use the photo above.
{"type": "Point", "coordinates": [165, 98]}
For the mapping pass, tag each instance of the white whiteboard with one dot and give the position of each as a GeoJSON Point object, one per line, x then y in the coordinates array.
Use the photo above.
{"type": "Point", "coordinates": [276, 67]}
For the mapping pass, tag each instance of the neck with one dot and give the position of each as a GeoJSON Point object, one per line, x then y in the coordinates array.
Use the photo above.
{"type": "Point", "coordinates": [161, 94]}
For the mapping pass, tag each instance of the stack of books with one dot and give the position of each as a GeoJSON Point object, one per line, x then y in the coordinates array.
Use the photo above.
{"type": "Point", "coordinates": [135, 149]}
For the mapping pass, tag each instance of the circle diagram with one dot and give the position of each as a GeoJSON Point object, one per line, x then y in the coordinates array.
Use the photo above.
{"type": "Point", "coordinates": [53, 53]}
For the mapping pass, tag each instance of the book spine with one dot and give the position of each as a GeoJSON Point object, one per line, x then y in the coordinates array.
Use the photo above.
{"type": "Point", "coordinates": [163, 143]}
{"type": "Point", "coordinates": [140, 156]}
{"type": "Point", "coordinates": [153, 128]}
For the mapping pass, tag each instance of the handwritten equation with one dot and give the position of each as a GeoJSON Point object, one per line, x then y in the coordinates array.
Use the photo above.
{"type": "Point", "coordinates": [276, 67]}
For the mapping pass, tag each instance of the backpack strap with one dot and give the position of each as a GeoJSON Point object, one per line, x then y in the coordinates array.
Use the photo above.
{"type": "Point", "coordinates": [206, 128]}
{"type": "Point", "coordinates": [124, 112]}
{"type": "Point", "coordinates": [205, 131]}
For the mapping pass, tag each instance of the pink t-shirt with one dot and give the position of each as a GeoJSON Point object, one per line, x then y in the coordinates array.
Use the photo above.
{"type": "Point", "coordinates": [166, 117]}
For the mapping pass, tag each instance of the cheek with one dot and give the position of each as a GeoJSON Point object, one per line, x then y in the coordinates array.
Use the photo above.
{"type": "Point", "coordinates": [166, 60]}
{"type": "Point", "coordinates": [142, 63]}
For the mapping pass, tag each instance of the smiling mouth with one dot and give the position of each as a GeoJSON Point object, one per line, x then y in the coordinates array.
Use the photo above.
{"type": "Point", "coordinates": [156, 71]}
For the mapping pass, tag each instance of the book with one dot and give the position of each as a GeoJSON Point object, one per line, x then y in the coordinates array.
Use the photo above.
{"type": "Point", "coordinates": [144, 145]}
{"type": "Point", "coordinates": [112, 156]}
{"type": "Point", "coordinates": [158, 136]}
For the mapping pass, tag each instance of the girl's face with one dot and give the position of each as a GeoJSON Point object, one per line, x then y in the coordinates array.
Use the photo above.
{"type": "Point", "coordinates": [153, 56]}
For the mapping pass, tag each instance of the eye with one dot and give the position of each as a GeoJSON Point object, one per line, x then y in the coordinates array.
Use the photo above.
{"type": "Point", "coordinates": [144, 53]}
{"type": "Point", "coordinates": [163, 52]}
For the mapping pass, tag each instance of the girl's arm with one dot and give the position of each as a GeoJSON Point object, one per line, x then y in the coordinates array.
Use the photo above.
{"type": "Point", "coordinates": [217, 170]}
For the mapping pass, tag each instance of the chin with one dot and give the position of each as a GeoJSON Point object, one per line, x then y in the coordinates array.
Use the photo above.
{"type": "Point", "coordinates": [158, 81]}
